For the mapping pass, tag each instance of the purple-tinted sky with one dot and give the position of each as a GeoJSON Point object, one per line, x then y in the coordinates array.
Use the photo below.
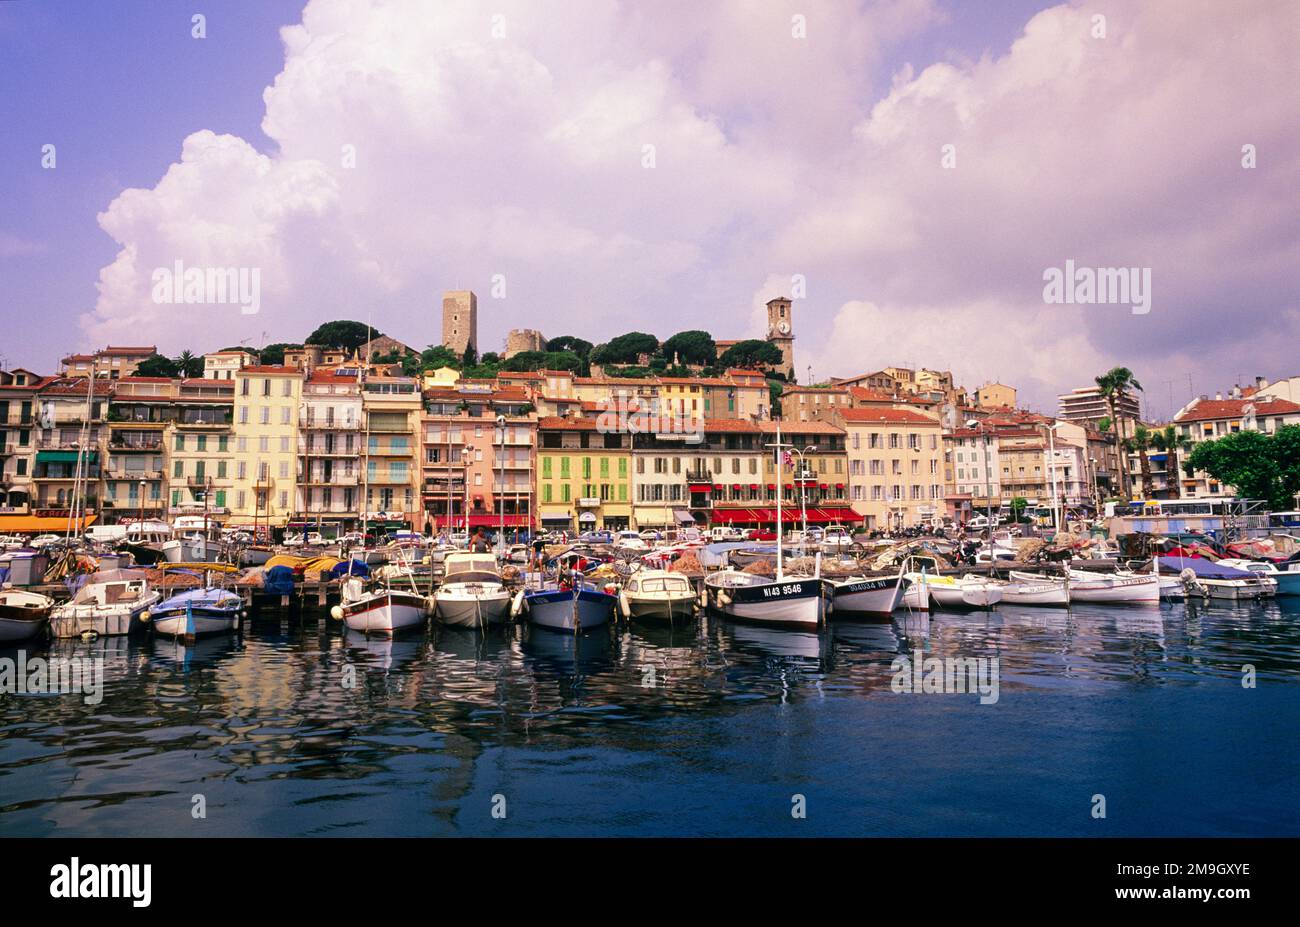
{"type": "Point", "coordinates": [516, 147]}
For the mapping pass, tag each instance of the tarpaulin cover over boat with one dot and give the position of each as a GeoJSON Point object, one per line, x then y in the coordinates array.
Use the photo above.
{"type": "Point", "coordinates": [1204, 569]}
{"type": "Point", "coordinates": [278, 580]}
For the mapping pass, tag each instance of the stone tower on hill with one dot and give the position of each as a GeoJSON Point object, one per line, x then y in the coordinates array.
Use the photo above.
{"type": "Point", "coordinates": [780, 332]}
{"type": "Point", "coordinates": [460, 320]}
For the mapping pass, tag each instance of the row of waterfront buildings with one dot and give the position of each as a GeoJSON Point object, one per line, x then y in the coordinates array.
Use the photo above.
{"type": "Point", "coordinates": [327, 439]}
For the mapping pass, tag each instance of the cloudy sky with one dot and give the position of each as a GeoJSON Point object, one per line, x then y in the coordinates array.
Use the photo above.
{"type": "Point", "coordinates": [365, 155]}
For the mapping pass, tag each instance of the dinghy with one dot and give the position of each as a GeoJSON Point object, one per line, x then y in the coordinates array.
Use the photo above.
{"type": "Point", "coordinates": [380, 610]}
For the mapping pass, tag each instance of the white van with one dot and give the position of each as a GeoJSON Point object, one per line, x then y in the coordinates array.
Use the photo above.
{"type": "Point", "coordinates": [106, 534]}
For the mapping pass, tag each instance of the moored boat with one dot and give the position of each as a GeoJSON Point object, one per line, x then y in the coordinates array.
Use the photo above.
{"type": "Point", "coordinates": [23, 615]}
{"type": "Point", "coordinates": [472, 594]}
{"type": "Point", "coordinates": [966, 592]}
{"type": "Point", "coordinates": [1287, 580]}
{"type": "Point", "coordinates": [197, 612]}
{"type": "Point", "coordinates": [1035, 590]}
{"type": "Point", "coordinates": [569, 604]}
{"type": "Point", "coordinates": [381, 610]}
{"type": "Point", "coordinates": [1114, 588]}
{"type": "Point", "coordinates": [785, 600]}
{"type": "Point", "coordinates": [866, 595]}
{"type": "Point", "coordinates": [658, 595]}
{"type": "Point", "coordinates": [110, 602]}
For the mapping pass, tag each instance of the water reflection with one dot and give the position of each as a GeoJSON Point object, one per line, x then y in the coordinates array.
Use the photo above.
{"type": "Point", "coordinates": [295, 725]}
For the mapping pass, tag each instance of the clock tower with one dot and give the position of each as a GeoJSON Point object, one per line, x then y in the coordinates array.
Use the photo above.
{"type": "Point", "coordinates": [780, 332]}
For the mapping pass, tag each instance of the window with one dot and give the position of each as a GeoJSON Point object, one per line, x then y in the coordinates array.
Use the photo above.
{"type": "Point", "coordinates": [180, 442]}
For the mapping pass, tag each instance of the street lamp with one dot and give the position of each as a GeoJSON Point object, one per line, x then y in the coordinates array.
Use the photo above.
{"type": "Point", "coordinates": [1051, 475]}
{"type": "Point", "coordinates": [803, 488]}
{"type": "Point", "coordinates": [988, 467]}
{"type": "Point", "coordinates": [501, 488]}
{"type": "Point", "coordinates": [467, 456]}
{"type": "Point", "coordinates": [142, 486]}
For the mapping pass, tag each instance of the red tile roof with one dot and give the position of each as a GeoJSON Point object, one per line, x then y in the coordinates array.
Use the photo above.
{"type": "Point", "coordinates": [267, 369]}
{"type": "Point", "coordinates": [890, 416]}
{"type": "Point", "coordinates": [1211, 409]}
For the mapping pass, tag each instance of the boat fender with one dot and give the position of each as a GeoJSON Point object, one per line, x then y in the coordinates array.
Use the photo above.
{"type": "Point", "coordinates": [517, 606]}
{"type": "Point", "coordinates": [337, 613]}
{"type": "Point", "coordinates": [624, 606]}
{"type": "Point", "coordinates": [145, 616]}
{"type": "Point", "coordinates": [723, 599]}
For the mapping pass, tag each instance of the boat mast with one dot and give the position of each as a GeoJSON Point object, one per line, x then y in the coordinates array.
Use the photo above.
{"type": "Point", "coordinates": [780, 449]}
{"type": "Point", "coordinates": [74, 506]}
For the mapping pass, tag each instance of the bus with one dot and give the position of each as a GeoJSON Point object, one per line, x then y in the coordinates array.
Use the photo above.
{"type": "Point", "coordinates": [1284, 521]}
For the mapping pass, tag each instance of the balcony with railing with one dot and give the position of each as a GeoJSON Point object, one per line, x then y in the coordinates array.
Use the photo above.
{"type": "Point", "coordinates": [319, 478]}
{"type": "Point", "coordinates": [128, 476]}
{"type": "Point", "coordinates": [316, 423]}
{"type": "Point", "coordinates": [133, 442]}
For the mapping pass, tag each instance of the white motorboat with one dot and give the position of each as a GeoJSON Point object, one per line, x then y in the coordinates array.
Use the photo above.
{"type": "Point", "coordinates": [964, 592]}
{"type": "Point", "coordinates": [1216, 579]}
{"type": "Point", "coordinates": [381, 610]}
{"type": "Point", "coordinates": [110, 602]}
{"type": "Point", "coordinates": [1033, 589]}
{"type": "Point", "coordinates": [836, 540]}
{"type": "Point", "coordinates": [472, 594]}
{"type": "Point", "coordinates": [23, 615]}
{"type": "Point", "coordinates": [866, 595]}
{"type": "Point", "coordinates": [658, 595]}
{"type": "Point", "coordinates": [1285, 575]}
{"type": "Point", "coordinates": [197, 612]}
{"type": "Point", "coordinates": [1114, 588]}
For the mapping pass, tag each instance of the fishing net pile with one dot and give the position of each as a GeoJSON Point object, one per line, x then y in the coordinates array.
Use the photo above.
{"type": "Point", "coordinates": [686, 563]}
{"type": "Point", "coordinates": [760, 568]}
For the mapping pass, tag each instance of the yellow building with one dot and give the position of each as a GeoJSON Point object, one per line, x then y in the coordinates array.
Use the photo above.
{"type": "Point", "coordinates": [392, 473]}
{"type": "Point", "coordinates": [895, 464]}
{"type": "Point", "coordinates": [584, 477]}
{"type": "Point", "coordinates": [266, 435]}
{"type": "Point", "coordinates": [995, 395]}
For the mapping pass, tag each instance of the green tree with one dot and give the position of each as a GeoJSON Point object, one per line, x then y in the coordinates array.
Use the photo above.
{"type": "Point", "coordinates": [625, 349]}
{"type": "Point", "coordinates": [273, 354]}
{"type": "Point", "coordinates": [189, 365]}
{"type": "Point", "coordinates": [1018, 506]}
{"type": "Point", "coordinates": [156, 365]}
{"type": "Point", "coordinates": [342, 333]}
{"type": "Point", "coordinates": [690, 347]}
{"type": "Point", "coordinates": [1114, 384]}
{"type": "Point", "coordinates": [751, 353]}
{"type": "Point", "coordinates": [1257, 465]}
{"type": "Point", "coordinates": [570, 343]}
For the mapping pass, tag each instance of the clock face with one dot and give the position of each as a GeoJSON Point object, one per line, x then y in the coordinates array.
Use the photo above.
{"type": "Point", "coordinates": [784, 327]}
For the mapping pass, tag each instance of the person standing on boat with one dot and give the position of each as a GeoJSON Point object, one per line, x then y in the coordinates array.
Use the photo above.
{"type": "Point", "coordinates": [539, 552]}
{"type": "Point", "coordinates": [479, 543]}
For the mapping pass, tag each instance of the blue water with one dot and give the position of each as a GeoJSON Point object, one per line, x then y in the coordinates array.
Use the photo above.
{"type": "Point", "coordinates": [1144, 706]}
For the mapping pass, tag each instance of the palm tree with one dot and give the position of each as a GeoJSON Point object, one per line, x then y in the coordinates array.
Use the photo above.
{"type": "Point", "coordinates": [1114, 384]}
{"type": "Point", "coordinates": [1168, 439]}
{"type": "Point", "coordinates": [188, 365]}
{"type": "Point", "coordinates": [1139, 444]}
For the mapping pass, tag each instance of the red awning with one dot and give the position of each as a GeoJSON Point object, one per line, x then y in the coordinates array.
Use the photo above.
{"type": "Point", "coordinates": [487, 520]}
{"type": "Point", "coordinates": [731, 516]}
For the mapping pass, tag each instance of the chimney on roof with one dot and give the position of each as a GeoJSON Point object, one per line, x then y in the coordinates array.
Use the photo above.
{"type": "Point", "coordinates": [1260, 382]}
{"type": "Point", "coordinates": [1236, 391]}
{"type": "Point", "coordinates": [1218, 396]}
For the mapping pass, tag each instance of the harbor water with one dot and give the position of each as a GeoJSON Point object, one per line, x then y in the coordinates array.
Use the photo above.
{"type": "Point", "coordinates": [296, 727]}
